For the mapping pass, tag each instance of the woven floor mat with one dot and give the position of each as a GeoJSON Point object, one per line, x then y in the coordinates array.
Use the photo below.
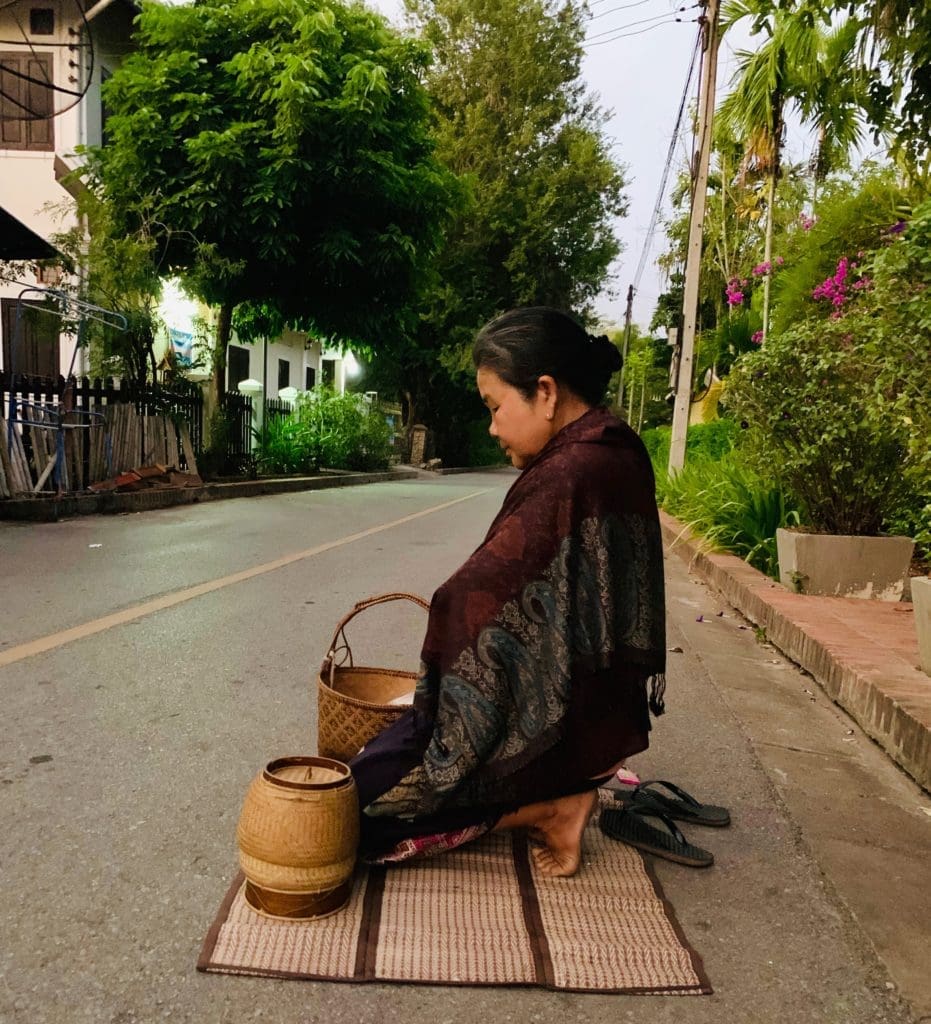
{"type": "Point", "coordinates": [479, 915]}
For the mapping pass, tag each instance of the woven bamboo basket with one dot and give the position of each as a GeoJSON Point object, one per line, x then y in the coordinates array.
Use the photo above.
{"type": "Point", "coordinates": [354, 701]}
{"type": "Point", "coordinates": [298, 835]}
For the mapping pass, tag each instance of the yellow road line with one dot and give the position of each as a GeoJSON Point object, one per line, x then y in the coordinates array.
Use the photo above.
{"type": "Point", "coordinates": [67, 636]}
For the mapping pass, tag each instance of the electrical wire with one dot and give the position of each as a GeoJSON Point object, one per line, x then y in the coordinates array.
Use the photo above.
{"type": "Point", "coordinates": [622, 7]}
{"type": "Point", "coordinates": [639, 32]}
{"type": "Point", "coordinates": [643, 21]}
{"type": "Point", "coordinates": [670, 155]}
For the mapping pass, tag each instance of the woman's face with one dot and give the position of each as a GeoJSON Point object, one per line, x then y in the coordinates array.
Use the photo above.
{"type": "Point", "coordinates": [522, 426]}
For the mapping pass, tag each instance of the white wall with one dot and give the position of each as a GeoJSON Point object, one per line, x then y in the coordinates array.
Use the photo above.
{"type": "Point", "coordinates": [28, 186]}
{"type": "Point", "coordinates": [300, 353]}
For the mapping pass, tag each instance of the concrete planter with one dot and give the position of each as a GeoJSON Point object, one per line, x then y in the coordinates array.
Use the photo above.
{"type": "Point", "coordinates": [921, 598]}
{"type": "Point", "coordinates": [838, 566]}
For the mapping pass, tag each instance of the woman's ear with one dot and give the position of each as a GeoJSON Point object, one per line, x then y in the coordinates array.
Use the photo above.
{"type": "Point", "coordinates": [548, 394]}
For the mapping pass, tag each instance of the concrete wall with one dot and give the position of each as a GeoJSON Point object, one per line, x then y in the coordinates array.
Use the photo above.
{"type": "Point", "coordinates": [299, 352]}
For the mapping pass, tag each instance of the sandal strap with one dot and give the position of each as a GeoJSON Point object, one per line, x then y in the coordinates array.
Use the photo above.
{"type": "Point", "coordinates": [680, 793]}
{"type": "Point", "coordinates": [645, 812]}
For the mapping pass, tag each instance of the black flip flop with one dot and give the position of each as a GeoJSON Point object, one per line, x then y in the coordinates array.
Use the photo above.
{"type": "Point", "coordinates": [626, 825]}
{"type": "Point", "coordinates": [681, 805]}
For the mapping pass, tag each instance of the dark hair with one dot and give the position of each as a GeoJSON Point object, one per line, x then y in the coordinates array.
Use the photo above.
{"type": "Point", "coordinates": [524, 344]}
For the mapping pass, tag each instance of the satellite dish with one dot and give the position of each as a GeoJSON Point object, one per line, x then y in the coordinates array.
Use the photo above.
{"type": "Point", "coordinates": [34, 84]}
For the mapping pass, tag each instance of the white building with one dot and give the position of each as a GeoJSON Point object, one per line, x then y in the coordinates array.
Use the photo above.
{"type": "Point", "coordinates": [41, 47]}
{"type": "Point", "coordinates": [42, 52]}
{"type": "Point", "coordinates": [294, 360]}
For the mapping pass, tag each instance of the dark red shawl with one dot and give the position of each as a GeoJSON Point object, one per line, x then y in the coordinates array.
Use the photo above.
{"type": "Point", "coordinates": [565, 593]}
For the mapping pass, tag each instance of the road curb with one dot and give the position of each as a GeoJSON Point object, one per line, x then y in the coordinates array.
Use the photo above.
{"type": "Point", "coordinates": [50, 510]}
{"type": "Point", "coordinates": [864, 654]}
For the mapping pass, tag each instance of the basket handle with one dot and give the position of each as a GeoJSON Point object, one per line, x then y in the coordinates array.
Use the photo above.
{"type": "Point", "coordinates": [340, 645]}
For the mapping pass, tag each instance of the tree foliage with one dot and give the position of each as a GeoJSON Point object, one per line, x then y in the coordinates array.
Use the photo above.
{"type": "Point", "coordinates": [280, 151]}
{"type": "Point", "coordinates": [893, 65]}
{"type": "Point", "coordinates": [513, 120]}
{"type": "Point", "coordinates": [118, 271]}
{"type": "Point", "coordinates": [527, 138]}
{"type": "Point", "coordinates": [835, 405]}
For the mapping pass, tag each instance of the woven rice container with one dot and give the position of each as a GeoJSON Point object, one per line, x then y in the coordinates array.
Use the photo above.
{"type": "Point", "coordinates": [354, 702]}
{"type": "Point", "coordinates": [298, 835]}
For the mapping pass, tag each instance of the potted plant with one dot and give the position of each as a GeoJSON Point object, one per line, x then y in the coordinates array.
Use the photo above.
{"type": "Point", "coordinates": [921, 598]}
{"type": "Point", "coordinates": [824, 407]}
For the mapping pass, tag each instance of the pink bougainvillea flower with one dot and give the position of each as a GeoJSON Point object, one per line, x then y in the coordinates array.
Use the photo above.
{"type": "Point", "coordinates": [733, 293]}
{"type": "Point", "coordinates": [756, 337]}
{"type": "Point", "coordinates": [762, 268]}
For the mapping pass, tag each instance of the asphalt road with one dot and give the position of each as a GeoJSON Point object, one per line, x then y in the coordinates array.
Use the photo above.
{"type": "Point", "coordinates": [150, 664]}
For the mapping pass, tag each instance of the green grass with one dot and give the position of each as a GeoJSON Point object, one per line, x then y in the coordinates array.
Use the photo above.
{"type": "Point", "coordinates": [718, 496]}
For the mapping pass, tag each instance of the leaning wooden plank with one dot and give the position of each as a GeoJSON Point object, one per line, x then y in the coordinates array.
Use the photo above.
{"type": "Point", "coordinates": [25, 476]}
{"type": "Point", "coordinates": [188, 449]}
{"type": "Point", "coordinates": [137, 439]}
{"type": "Point", "coordinates": [68, 440]}
{"type": "Point", "coordinates": [171, 443]}
{"type": "Point", "coordinates": [119, 445]}
{"type": "Point", "coordinates": [5, 471]}
{"type": "Point", "coordinates": [93, 451]}
{"type": "Point", "coordinates": [152, 441]}
{"type": "Point", "coordinates": [43, 459]}
{"type": "Point", "coordinates": [21, 474]}
{"type": "Point", "coordinates": [35, 438]}
{"type": "Point", "coordinates": [77, 455]}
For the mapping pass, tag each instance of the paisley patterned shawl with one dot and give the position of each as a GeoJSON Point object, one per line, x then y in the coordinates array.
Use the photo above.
{"type": "Point", "coordinates": [568, 583]}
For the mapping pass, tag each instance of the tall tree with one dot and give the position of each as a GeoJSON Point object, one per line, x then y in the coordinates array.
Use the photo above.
{"type": "Point", "coordinates": [800, 62]}
{"type": "Point", "coordinates": [280, 149]}
{"type": "Point", "coordinates": [513, 117]}
{"type": "Point", "coordinates": [894, 61]}
{"type": "Point", "coordinates": [513, 120]}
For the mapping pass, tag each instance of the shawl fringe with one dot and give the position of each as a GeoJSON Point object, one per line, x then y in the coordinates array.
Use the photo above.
{"type": "Point", "coordinates": [658, 694]}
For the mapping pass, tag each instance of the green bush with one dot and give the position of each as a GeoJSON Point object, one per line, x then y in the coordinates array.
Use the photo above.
{"type": "Point", "coordinates": [838, 406]}
{"type": "Point", "coordinates": [286, 445]}
{"type": "Point", "coordinates": [351, 432]}
{"type": "Point", "coordinates": [732, 506]}
{"type": "Point", "coordinates": [719, 496]}
{"type": "Point", "coordinates": [851, 218]}
{"type": "Point", "coordinates": [703, 441]}
{"type": "Point", "coordinates": [805, 400]}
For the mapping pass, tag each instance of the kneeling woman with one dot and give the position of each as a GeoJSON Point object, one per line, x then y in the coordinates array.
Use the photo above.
{"type": "Point", "coordinates": [545, 650]}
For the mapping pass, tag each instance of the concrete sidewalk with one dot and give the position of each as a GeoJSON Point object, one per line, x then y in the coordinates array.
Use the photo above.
{"type": "Point", "coordinates": [864, 654]}
{"type": "Point", "coordinates": [41, 509]}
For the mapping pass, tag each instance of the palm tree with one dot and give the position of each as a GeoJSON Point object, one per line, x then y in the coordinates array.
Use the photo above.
{"type": "Point", "coordinates": [790, 68]}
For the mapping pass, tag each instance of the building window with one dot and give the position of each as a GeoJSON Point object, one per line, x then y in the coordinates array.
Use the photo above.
{"type": "Point", "coordinates": [35, 348]}
{"type": "Point", "coordinates": [328, 372]}
{"type": "Point", "coordinates": [310, 377]}
{"type": "Point", "coordinates": [41, 21]}
{"type": "Point", "coordinates": [26, 106]}
{"type": "Point", "coordinates": [237, 365]}
{"type": "Point", "coordinates": [284, 373]}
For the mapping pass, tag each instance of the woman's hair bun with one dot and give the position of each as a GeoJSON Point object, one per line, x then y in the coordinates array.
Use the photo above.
{"type": "Point", "coordinates": [606, 353]}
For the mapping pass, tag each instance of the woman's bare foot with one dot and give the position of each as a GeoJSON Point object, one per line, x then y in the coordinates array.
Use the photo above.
{"type": "Point", "coordinates": [559, 824]}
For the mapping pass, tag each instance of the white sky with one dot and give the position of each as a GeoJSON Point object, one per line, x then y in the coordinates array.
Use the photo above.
{"type": "Point", "coordinates": [640, 79]}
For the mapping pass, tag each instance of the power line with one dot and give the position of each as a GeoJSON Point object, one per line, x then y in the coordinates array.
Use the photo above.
{"type": "Point", "coordinates": [632, 24]}
{"type": "Point", "coordinates": [622, 7]}
{"type": "Point", "coordinates": [670, 155]}
{"type": "Point", "coordinates": [639, 32]}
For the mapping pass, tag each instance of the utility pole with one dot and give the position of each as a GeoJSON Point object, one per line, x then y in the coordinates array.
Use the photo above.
{"type": "Point", "coordinates": [627, 318]}
{"type": "Point", "coordinates": [680, 415]}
